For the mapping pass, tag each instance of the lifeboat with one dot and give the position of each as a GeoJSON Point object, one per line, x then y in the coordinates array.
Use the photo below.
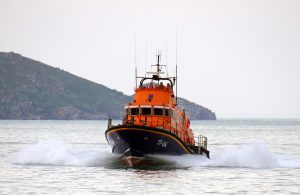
{"type": "Point", "coordinates": [154, 122]}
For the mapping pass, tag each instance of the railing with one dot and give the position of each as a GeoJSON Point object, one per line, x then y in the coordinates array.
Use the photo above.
{"type": "Point", "coordinates": [201, 142]}
{"type": "Point", "coordinates": [200, 146]}
{"type": "Point", "coordinates": [150, 121]}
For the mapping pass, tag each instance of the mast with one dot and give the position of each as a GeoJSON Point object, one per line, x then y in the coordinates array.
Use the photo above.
{"type": "Point", "coordinates": [135, 77]}
{"type": "Point", "coordinates": [176, 84]}
{"type": "Point", "coordinates": [176, 68]}
{"type": "Point", "coordinates": [135, 61]}
{"type": "Point", "coordinates": [158, 60]}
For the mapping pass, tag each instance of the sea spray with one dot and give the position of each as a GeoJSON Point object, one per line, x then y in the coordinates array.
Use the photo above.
{"type": "Point", "coordinates": [255, 155]}
{"type": "Point", "coordinates": [58, 152]}
{"type": "Point", "coordinates": [289, 161]}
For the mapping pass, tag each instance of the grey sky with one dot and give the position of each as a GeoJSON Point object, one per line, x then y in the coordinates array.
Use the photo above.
{"type": "Point", "coordinates": [239, 58]}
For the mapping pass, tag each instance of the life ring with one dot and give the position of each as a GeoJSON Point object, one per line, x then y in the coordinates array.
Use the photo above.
{"type": "Point", "coordinates": [188, 123]}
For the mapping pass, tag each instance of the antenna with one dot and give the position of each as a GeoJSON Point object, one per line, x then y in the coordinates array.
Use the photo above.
{"type": "Point", "coordinates": [176, 84]}
{"type": "Point", "coordinates": [176, 69]}
{"type": "Point", "coordinates": [146, 57]}
{"type": "Point", "coordinates": [176, 47]}
{"type": "Point", "coordinates": [176, 77]}
{"type": "Point", "coordinates": [135, 51]}
{"type": "Point", "coordinates": [167, 59]}
{"type": "Point", "coordinates": [135, 61]}
{"type": "Point", "coordinates": [135, 77]}
{"type": "Point", "coordinates": [166, 53]}
{"type": "Point", "coordinates": [158, 59]}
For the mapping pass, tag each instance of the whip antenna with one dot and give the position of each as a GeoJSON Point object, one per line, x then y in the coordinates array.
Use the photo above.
{"type": "Point", "coordinates": [166, 53]}
{"type": "Point", "coordinates": [176, 69]}
{"type": "Point", "coordinates": [135, 61]}
{"type": "Point", "coordinates": [146, 57]}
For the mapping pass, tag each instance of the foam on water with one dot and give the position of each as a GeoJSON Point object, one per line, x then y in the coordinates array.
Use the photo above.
{"type": "Point", "coordinates": [256, 155]}
{"type": "Point", "coordinates": [58, 152]}
{"type": "Point", "coordinates": [250, 155]}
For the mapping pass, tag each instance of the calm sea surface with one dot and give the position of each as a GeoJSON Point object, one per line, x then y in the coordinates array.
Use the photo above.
{"type": "Point", "coordinates": [72, 157]}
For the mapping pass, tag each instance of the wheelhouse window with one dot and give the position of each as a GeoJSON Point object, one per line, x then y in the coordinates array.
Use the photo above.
{"type": "Point", "coordinates": [135, 111]}
{"type": "Point", "coordinates": [146, 111]}
{"type": "Point", "coordinates": [158, 111]}
{"type": "Point", "coordinates": [167, 112]}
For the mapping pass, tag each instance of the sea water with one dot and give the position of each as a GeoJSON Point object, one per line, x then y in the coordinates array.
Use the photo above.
{"type": "Point", "coordinates": [72, 157]}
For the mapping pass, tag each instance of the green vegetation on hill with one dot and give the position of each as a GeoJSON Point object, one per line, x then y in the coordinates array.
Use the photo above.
{"type": "Point", "coordinates": [32, 90]}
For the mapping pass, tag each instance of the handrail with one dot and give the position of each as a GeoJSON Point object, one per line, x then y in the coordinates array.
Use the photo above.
{"type": "Point", "coordinates": [201, 142]}
{"type": "Point", "coordinates": [148, 121]}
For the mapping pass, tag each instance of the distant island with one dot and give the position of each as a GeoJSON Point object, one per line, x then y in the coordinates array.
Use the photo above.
{"type": "Point", "coordinates": [32, 90]}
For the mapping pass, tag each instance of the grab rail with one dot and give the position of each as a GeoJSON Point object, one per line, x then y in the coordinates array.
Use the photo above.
{"type": "Point", "coordinates": [151, 121]}
{"type": "Point", "coordinates": [201, 142]}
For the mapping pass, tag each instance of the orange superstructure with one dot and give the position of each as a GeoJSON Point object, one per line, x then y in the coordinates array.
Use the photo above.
{"type": "Point", "coordinates": [154, 105]}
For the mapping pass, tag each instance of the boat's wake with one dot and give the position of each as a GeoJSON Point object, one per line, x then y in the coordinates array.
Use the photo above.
{"type": "Point", "coordinates": [60, 153]}
{"type": "Point", "coordinates": [244, 156]}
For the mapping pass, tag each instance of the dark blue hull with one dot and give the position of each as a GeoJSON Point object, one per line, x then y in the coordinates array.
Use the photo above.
{"type": "Point", "coordinates": [133, 140]}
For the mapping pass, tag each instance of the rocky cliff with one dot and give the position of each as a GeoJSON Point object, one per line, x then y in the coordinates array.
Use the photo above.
{"type": "Point", "coordinates": [32, 90]}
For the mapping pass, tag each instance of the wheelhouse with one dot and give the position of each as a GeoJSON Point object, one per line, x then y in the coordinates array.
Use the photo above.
{"type": "Point", "coordinates": [155, 105]}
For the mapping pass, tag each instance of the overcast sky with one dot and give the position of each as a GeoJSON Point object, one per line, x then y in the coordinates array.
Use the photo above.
{"type": "Point", "coordinates": [239, 58]}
